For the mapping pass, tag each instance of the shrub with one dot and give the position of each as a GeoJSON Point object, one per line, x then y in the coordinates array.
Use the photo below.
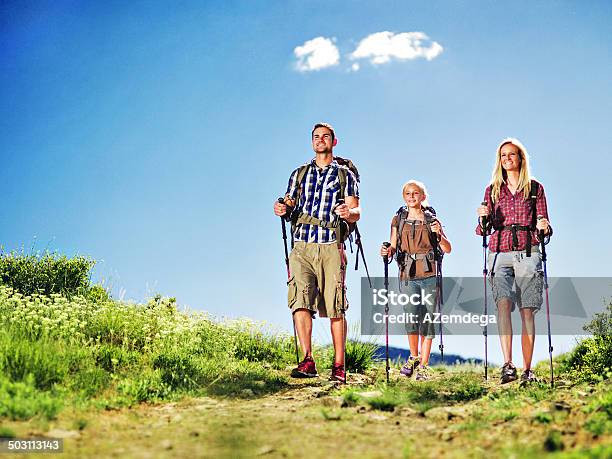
{"type": "Point", "coordinates": [251, 342]}
{"type": "Point", "coordinates": [90, 381]}
{"type": "Point", "coordinates": [52, 316]}
{"type": "Point", "coordinates": [591, 359]}
{"type": "Point", "coordinates": [145, 387]}
{"type": "Point", "coordinates": [21, 400]}
{"type": "Point", "coordinates": [112, 358]}
{"type": "Point", "coordinates": [41, 359]}
{"type": "Point", "coordinates": [48, 361]}
{"type": "Point", "coordinates": [600, 414]}
{"type": "Point", "coordinates": [97, 294]}
{"type": "Point", "coordinates": [45, 273]}
{"type": "Point", "coordinates": [176, 368]}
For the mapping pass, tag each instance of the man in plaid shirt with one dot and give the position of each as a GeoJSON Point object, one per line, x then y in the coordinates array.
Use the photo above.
{"type": "Point", "coordinates": [514, 260]}
{"type": "Point", "coordinates": [317, 262]}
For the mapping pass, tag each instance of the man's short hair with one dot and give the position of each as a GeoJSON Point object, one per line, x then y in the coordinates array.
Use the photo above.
{"type": "Point", "coordinates": [325, 125]}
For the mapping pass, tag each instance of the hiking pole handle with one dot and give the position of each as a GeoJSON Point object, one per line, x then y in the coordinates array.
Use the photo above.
{"type": "Point", "coordinates": [337, 217]}
{"type": "Point", "coordinates": [542, 244]}
{"type": "Point", "coordinates": [282, 219]}
{"type": "Point", "coordinates": [386, 257]}
{"type": "Point", "coordinates": [386, 263]}
{"type": "Point", "coordinates": [483, 224]}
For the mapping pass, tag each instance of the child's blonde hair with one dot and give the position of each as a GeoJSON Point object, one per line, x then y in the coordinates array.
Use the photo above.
{"type": "Point", "coordinates": [420, 186]}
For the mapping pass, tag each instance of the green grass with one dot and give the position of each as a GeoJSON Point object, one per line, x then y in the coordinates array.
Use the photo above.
{"type": "Point", "coordinates": [22, 400]}
{"type": "Point", "coordinates": [79, 347]}
{"type": "Point", "coordinates": [118, 353]}
{"type": "Point", "coordinates": [456, 388]}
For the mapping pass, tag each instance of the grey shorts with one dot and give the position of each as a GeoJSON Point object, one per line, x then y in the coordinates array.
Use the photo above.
{"type": "Point", "coordinates": [517, 277]}
{"type": "Point", "coordinates": [423, 327]}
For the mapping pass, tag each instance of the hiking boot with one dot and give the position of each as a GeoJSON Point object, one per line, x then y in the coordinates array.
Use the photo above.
{"type": "Point", "coordinates": [423, 373]}
{"type": "Point", "coordinates": [408, 368]}
{"type": "Point", "coordinates": [508, 373]}
{"type": "Point", "coordinates": [338, 373]}
{"type": "Point", "coordinates": [528, 376]}
{"type": "Point", "coordinates": [305, 369]}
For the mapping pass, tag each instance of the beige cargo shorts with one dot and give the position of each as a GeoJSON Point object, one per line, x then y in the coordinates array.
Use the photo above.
{"type": "Point", "coordinates": [316, 281]}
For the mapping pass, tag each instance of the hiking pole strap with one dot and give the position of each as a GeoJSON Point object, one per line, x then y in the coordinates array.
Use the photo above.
{"type": "Point", "coordinates": [365, 264]}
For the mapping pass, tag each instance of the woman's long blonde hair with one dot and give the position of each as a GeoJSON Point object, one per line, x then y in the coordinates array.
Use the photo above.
{"type": "Point", "coordinates": [500, 176]}
{"type": "Point", "coordinates": [420, 186]}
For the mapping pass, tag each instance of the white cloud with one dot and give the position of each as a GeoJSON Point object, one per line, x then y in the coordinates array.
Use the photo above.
{"type": "Point", "coordinates": [316, 54]}
{"type": "Point", "coordinates": [381, 47]}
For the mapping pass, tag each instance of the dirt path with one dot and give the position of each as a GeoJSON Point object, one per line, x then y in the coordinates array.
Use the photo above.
{"type": "Point", "coordinates": [304, 421]}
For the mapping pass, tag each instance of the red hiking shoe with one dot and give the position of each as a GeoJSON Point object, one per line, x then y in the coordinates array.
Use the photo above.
{"type": "Point", "coordinates": [338, 373]}
{"type": "Point", "coordinates": [305, 369]}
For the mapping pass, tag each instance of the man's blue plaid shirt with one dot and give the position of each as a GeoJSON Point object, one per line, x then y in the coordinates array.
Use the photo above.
{"type": "Point", "coordinates": [319, 196]}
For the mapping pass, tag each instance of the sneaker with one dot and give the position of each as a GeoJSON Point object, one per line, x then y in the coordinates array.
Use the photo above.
{"type": "Point", "coordinates": [423, 373]}
{"type": "Point", "coordinates": [305, 369]}
{"type": "Point", "coordinates": [508, 373]}
{"type": "Point", "coordinates": [408, 368]}
{"type": "Point", "coordinates": [528, 376]}
{"type": "Point", "coordinates": [338, 373]}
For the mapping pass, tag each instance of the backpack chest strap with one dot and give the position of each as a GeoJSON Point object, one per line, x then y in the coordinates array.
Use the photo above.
{"type": "Point", "coordinates": [310, 220]}
{"type": "Point", "coordinates": [408, 259]}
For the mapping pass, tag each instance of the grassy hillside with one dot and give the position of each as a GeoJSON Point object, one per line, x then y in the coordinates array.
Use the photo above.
{"type": "Point", "coordinates": [74, 359]}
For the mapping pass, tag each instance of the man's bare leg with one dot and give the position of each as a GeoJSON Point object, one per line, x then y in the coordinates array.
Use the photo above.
{"type": "Point", "coordinates": [303, 326]}
{"type": "Point", "coordinates": [338, 332]}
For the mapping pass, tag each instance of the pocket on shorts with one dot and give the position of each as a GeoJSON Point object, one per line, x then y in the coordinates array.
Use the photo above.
{"type": "Point", "coordinates": [340, 300]}
{"type": "Point", "coordinates": [291, 292]}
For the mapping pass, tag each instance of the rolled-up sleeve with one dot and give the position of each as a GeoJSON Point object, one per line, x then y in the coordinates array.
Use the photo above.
{"type": "Point", "coordinates": [352, 188]}
{"type": "Point", "coordinates": [292, 185]}
{"type": "Point", "coordinates": [542, 208]}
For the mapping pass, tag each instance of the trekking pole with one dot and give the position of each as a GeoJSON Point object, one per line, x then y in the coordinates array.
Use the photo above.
{"type": "Point", "coordinates": [343, 277]}
{"type": "Point", "coordinates": [297, 354]}
{"type": "Point", "coordinates": [386, 262]}
{"type": "Point", "coordinates": [484, 277]}
{"type": "Point", "coordinates": [440, 302]}
{"type": "Point", "coordinates": [550, 347]}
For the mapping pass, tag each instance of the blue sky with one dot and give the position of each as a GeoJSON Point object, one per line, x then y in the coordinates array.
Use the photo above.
{"type": "Point", "coordinates": [155, 136]}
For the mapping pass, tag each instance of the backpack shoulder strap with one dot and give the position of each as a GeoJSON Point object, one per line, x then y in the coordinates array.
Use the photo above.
{"type": "Point", "coordinates": [430, 217]}
{"type": "Point", "coordinates": [533, 197]}
{"type": "Point", "coordinates": [342, 178]}
{"type": "Point", "coordinates": [301, 174]}
{"type": "Point", "coordinates": [401, 220]}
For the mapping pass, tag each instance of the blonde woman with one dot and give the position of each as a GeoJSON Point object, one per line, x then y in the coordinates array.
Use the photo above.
{"type": "Point", "coordinates": [514, 211]}
{"type": "Point", "coordinates": [416, 235]}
